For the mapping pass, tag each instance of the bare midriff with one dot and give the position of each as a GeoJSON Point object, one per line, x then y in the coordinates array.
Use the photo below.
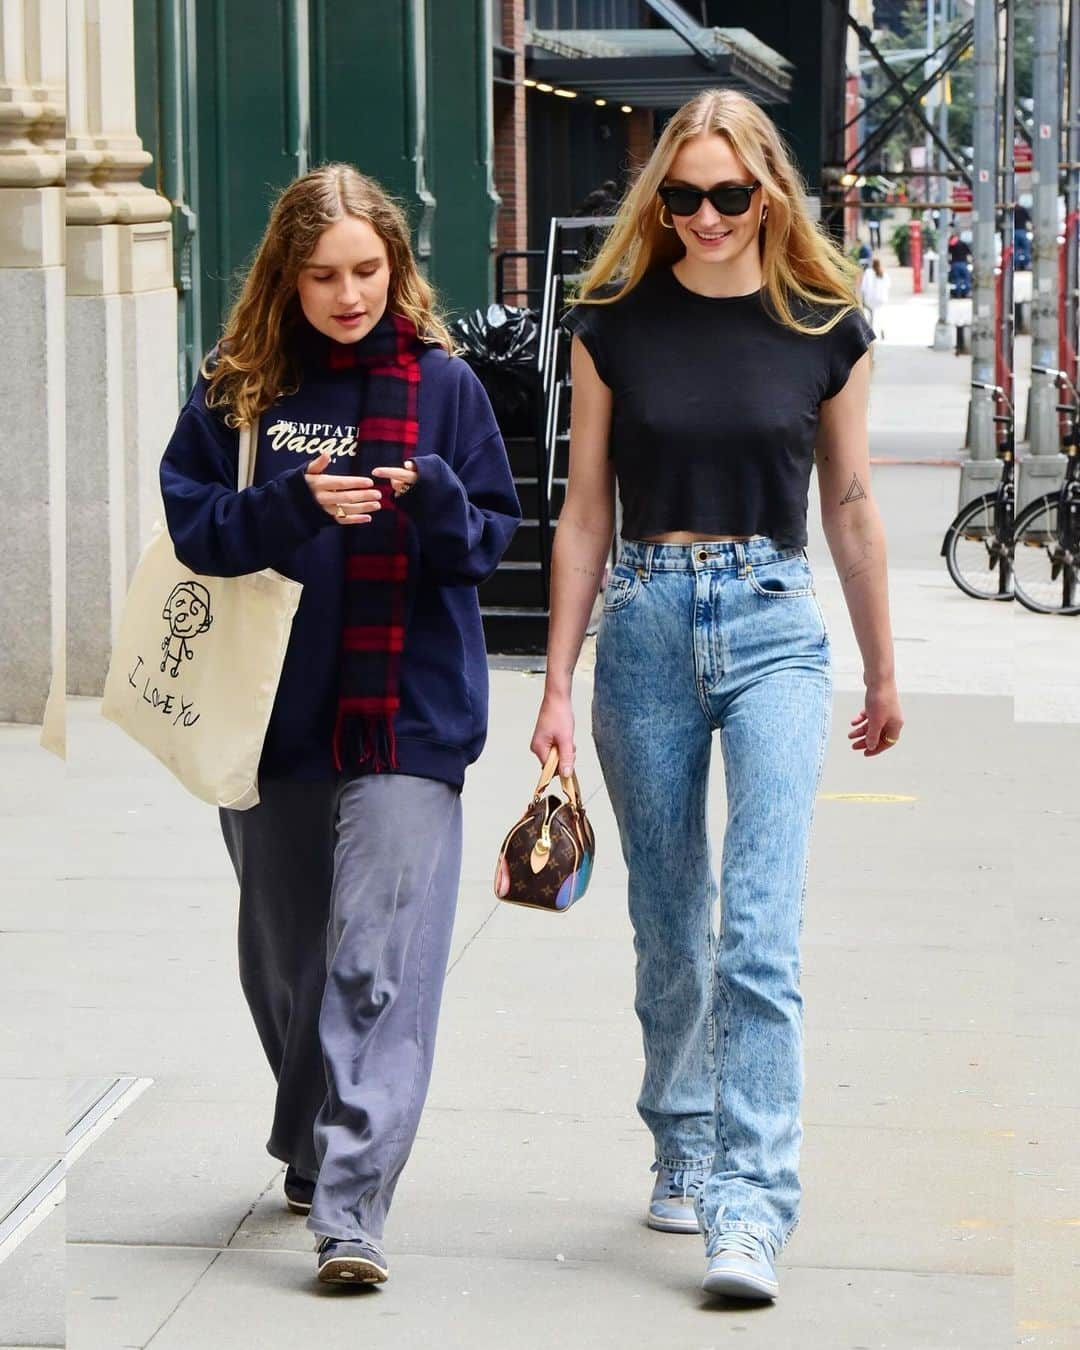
{"type": "Point", "coordinates": [685, 537]}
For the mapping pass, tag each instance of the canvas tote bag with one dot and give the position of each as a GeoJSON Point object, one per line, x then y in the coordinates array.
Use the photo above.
{"type": "Point", "coordinates": [196, 664]}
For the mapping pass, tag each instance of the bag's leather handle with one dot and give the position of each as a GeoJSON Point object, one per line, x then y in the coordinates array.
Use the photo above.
{"type": "Point", "coordinates": [249, 443]}
{"type": "Point", "coordinates": [570, 785]}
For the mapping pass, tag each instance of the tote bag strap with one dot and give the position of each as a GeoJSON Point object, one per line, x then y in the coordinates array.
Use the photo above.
{"type": "Point", "coordinates": [249, 442]}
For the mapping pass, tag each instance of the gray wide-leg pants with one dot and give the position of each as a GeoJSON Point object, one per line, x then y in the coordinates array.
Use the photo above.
{"type": "Point", "coordinates": [347, 900]}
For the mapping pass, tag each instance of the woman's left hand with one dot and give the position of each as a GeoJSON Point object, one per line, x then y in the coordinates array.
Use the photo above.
{"type": "Point", "coordinates": [401, 480]}
{"type": "Point", "coordinates": [877, 726]}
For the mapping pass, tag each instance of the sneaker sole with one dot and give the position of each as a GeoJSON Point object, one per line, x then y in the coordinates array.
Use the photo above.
{"type": "Point", "coordinates": [352, 1270]}
{"type": "Point", "coordinates": [671, 1225]}
{"type": "Point", "coordinates": [731, 1285]}
{"type": "Point", "coordinates": [298, 1206]}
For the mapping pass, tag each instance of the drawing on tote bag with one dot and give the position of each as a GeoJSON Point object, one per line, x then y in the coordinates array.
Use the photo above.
{"type": "Point", "coordinates": [204, 719]}
{"type": "Point", "coordinates": [187, 612]}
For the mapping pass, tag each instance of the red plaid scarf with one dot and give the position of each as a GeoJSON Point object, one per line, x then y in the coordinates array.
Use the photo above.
{"type": "Point", "coordinates": [379, 580]}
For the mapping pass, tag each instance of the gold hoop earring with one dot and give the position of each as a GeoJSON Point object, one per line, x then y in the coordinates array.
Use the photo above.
{"type": "Point", "coordinates": [668, 224]}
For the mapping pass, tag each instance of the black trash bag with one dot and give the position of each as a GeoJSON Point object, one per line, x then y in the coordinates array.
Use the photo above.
{"type": "Point", "coordinates": [500, 343]}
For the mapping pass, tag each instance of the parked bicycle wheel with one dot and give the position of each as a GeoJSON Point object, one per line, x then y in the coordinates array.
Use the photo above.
{"type": "Point", "coordinates": [1047, 569]}
{"type": "Point", "coordinates": [977, 549]}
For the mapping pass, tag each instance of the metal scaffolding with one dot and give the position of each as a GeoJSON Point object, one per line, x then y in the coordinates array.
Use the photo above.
{"type": "Point", "coordinates": [982, 433]}
{"type": "Point", "coordinates": [1042, 424]}
{"type": "Point", "coordinates": [1053, 131]}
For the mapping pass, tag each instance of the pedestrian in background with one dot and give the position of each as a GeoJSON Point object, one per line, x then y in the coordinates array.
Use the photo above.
{"type": "Point", "coordinates": [874, 293]}
{"type": "Point", "coordinates": [382, 484]}
{"type": "Point", "coordinates": [718, 348]}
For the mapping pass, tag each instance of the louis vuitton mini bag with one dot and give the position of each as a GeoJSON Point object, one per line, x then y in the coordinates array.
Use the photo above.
{"type": "Point", "coordinates": [547, 856]}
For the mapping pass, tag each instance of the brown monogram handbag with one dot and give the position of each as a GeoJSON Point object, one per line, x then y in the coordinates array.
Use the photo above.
{"type": "Point", "coordinates": [546, 858]}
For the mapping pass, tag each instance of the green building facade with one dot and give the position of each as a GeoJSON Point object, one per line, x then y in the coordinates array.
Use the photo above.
{"type": "Point", "coordinates": [237, 97]}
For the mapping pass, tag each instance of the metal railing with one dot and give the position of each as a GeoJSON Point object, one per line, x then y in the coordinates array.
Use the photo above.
{"type": "Point", "coordinates": [564, 267]}
{"type": "Point", "coordinates": [554, 340]}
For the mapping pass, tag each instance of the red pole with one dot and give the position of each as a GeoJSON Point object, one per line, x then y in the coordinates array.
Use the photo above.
{"type": "Point", "coordinates": [852, 100]}
{"type": "Point", "coordinates": [915, 249]}
{"type": "Point", "coordinates": [1003, 375]}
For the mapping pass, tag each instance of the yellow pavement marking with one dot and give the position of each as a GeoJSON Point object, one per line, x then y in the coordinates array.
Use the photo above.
{"type": "Point", "coordinates": [1035, 1326]}
{"type": "Point", "coordinates": [1003, 1134]}
{"type": "Point", "coordinates": [980, 1223]}
{"type": "Point", "coordinates": [866, 797]}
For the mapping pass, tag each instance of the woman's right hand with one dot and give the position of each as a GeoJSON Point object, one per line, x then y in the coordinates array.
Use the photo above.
{"type": "Point", "coordinates": [348, 501]}
{"type": "Point", "coordinates": [555, 726]}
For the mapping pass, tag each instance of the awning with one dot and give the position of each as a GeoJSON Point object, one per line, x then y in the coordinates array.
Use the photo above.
{"type": "Point", "coordinates": [656, 67]}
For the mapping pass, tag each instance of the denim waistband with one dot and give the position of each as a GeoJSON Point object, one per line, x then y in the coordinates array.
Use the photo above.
{"type": "Point", "coordinates": [708, 556]}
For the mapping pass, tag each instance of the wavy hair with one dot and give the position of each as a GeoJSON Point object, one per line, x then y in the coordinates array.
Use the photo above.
{"type": "Point", "coordinates": [798, 259]}
{"type": "Point", "coordinates": [254, 364]}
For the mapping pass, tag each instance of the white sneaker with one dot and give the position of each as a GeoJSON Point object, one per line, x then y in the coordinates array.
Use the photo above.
{"type": "Point", "coordinates": [740, 1266]}
{"type": "Point", "coordinates": [671, 1205]}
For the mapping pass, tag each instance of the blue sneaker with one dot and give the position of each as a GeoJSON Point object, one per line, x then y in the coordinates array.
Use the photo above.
{"type": "Point", "coordinates": [298, 1191]}
{"type": "Point", "coordinates": [740, 1266]}
{"type": "Point", "coordinates": [357, 1261]}
{"type": "Point", "coordinates": [671, 1205]}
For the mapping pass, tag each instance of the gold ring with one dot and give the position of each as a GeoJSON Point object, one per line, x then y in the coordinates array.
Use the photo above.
{"type": "Point", "coordinates": [341, 512]}
{"type": "Point", "coordinates": [891, 740]}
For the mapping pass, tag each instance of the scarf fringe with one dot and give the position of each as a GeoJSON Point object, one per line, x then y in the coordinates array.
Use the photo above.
{"type": "Point", "coordinates": [365, 743]}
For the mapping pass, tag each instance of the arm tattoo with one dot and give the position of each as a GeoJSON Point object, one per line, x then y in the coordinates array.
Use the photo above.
{"type": "Point", "coordinates": [584, 571]}
{"type": "Point", "coordinates": [854, 493]}
{"type": "Point", "coordinates": [863, 564]}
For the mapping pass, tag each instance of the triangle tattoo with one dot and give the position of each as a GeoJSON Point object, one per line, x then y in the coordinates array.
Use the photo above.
{"type": "Point", "coordinates": [854, 493]}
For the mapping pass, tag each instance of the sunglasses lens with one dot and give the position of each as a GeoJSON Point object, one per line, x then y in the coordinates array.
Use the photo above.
{"type": "Point", "coordinates": [682, 201]}
{"type": "Point", "coordinates": [731, 201]}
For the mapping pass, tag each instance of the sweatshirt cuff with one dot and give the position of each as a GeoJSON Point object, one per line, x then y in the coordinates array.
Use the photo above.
{"type": "Point", "coordinates": [434, 478]}
{"type": "Point", "coordinates": [302, 499]}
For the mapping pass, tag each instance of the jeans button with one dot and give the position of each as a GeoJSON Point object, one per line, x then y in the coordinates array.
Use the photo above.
{"type": "Point", "coordinates": [703, 555]}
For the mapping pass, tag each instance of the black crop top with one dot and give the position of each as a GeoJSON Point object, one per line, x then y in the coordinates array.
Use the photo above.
{"type": "Point", "coordinates": [714, 407]}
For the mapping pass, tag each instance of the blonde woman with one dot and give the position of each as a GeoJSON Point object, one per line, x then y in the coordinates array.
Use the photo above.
{"type": "Point", "coordinates": [874, 294]}
{"type": "Point", "coordinates": [381, 483]}
{"type": "Point", "coordinates": [718, 350]}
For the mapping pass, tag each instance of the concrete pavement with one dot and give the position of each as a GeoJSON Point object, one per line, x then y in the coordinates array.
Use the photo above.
{"type": "Point", "coordinates": [943, 1100]}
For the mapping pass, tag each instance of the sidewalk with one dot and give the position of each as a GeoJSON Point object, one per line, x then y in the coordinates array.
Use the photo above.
{"type": "Point", "coordinates": [942, 1203]}
{"type": "Point", "coordinates": [929, 389]}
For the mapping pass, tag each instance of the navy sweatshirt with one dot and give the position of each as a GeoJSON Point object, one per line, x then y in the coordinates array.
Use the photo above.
{"type": "Point", "coordinates": [463, 509]}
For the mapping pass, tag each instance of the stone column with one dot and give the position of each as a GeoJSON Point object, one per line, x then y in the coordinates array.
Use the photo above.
{"type": "Point", "coordinates": [32, 371]}
{"type": "Point", "coordinates": [121, 332]}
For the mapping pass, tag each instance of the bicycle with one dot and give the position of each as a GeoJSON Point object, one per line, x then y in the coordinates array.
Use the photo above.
{"type": "Point", "coordinates": [978, 544]}
{"type": "Point", "coordinates": [1046, 533]}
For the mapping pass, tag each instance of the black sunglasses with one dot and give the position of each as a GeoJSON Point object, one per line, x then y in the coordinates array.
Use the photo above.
{"type": "Point", "coordinates": [730, 200]}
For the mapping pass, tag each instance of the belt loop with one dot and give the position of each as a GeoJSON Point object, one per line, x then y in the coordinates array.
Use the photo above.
{"type": "Point", "coordinates": [740, 558]}
{"type": "Point", "coordinates": [649, 549]}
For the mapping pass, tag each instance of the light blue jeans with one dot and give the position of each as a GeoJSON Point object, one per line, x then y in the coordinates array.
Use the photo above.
{"type": "Point", "coordinates": [694, 639]}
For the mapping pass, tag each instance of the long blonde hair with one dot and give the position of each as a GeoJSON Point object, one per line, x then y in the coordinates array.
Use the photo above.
{"type": "Point", "coordinates": [798, 259]}
{"type": "Point", "coordinates": [253, 364]}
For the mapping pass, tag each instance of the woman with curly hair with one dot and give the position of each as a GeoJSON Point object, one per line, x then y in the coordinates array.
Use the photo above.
{"type": "Point", "coordinates": [718, 352]}
{"type": "Point", "coordinates": [382, 484]}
